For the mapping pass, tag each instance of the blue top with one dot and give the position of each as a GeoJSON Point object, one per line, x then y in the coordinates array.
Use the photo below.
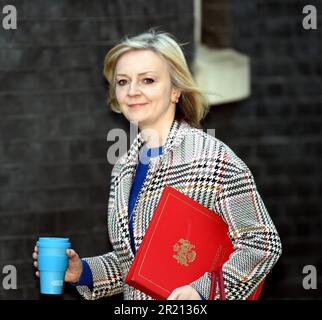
{"type": "Point", "coordinates": [141, 171]}
{"type": "Point", "coordinates": [86, 278]}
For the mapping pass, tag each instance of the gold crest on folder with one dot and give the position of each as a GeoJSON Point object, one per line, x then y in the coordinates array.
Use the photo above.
{"type": "Point", "coordinates": [184, 253]}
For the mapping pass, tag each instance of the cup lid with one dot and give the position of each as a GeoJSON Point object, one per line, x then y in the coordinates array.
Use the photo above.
{"type": "Point", "coordinates": [53, 244]}
{"type": "Point", "coordinates": [53, 239]}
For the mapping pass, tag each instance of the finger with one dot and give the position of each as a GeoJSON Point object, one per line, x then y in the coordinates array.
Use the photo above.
{"type": "Point", "coordinates": [37, 274]}
{"type": "Point", "coordinates": [35, 255]}
{"type": "Point", "coordinates": [173, 296]}
{"type": "Point", "coordinates": [35, 264]}
{"type": "Point", "coordinates": [35, 249]}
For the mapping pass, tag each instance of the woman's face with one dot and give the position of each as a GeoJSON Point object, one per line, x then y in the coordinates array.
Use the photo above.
{"type": "Point", "coordinates": [143, 89]}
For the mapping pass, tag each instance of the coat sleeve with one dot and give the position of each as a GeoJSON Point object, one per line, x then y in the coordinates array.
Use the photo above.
{"type": "Point", "coordinates": [107, 278]}
{"type": "Point", "coordinates": [106, 271]}
{"type": "Point", "coordinates": [257, 245]}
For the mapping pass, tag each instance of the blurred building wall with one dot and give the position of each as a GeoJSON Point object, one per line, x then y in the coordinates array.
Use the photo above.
{"type": "Point", "coordinates": [54, 176]}
{"type": "Point", "coordinates": [278, 130]}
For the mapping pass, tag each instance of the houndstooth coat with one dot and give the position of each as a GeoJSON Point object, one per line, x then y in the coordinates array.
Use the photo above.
{"type": "Point", "coordinates": [206, 170]}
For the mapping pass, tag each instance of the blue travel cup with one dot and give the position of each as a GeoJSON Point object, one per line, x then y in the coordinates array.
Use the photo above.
{"type": "Point", "coordinates": [52, 264]}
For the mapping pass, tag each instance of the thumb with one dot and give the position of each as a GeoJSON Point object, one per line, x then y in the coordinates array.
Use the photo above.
{"type": "Point", "coordinates": [71, 254]}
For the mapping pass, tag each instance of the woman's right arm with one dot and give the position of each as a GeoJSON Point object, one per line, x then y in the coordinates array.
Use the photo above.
{"type": "Point", "coordinates": [105, 269]}
{"type": "Point", "coordinates": [107, 277]}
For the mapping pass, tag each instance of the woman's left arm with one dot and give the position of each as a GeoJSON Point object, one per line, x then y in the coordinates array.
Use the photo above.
{"type": "Point", "coordinates": [257, 245]}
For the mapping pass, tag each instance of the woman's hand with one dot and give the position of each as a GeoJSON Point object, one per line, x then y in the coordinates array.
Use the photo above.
{"type": "Point", "coordinates": [184, 293]}
{"type": "Point", "coordinates": [74, 268]}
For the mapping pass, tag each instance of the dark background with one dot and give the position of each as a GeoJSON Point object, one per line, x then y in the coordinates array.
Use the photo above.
{"type": "Point", "coordinates": [54, 175]}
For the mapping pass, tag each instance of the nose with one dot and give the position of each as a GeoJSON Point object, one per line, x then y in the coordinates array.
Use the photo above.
{"type": "Point", "coordinates": [133, 89]}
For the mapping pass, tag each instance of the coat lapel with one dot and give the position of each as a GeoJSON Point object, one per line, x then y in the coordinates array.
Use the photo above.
{"type": "Point", "coordinates": [128, 164]}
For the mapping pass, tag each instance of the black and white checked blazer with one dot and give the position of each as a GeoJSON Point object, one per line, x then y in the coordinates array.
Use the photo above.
{"type": "Point", "coordinates": [205, 169]}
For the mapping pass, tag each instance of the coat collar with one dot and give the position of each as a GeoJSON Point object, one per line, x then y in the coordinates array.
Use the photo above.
{"type": "Point", "coordinates": [174, 138]}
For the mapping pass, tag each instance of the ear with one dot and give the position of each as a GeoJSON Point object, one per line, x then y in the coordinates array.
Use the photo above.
{"type": "Point", "coordinates": [175, 95]}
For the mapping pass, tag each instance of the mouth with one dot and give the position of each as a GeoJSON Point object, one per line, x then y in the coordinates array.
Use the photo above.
{"type": "Point", "coordinates": [136, 105]}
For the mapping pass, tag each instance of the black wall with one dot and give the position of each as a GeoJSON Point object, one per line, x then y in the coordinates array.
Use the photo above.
{"type": "Point", "coordinates": [278, 131]}
{"type": "Point", "coordinates": [54, 175]}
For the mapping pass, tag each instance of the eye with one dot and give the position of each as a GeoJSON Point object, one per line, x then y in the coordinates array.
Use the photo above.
{"type": "Point", "coordinates": [148, 80]}
{"type": "Point", "coordinates": [121, 82]}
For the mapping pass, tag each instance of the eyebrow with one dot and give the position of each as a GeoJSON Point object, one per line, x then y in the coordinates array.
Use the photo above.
{"type": "Point", "coordinates": [140, 74]}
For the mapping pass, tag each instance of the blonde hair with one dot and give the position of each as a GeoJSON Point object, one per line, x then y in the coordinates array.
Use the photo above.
{"type": "Point", "coordinates": [192, 105]}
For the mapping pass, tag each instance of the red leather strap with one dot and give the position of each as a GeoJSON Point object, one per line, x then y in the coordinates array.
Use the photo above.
{"type": "Point", "coordinates": [213, 283]}
{"type": "Point", "coordinates": [216, 276]}
{"type": "Point", "coordinates": [221, 285]}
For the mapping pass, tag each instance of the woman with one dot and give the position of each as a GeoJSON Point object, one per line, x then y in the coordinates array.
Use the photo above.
{"type": "Point", "coordinates": [150, 84]}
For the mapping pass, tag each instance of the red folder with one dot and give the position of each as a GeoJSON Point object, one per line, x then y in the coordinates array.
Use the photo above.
{"type": "Point", "coordinates": [183, 241]}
